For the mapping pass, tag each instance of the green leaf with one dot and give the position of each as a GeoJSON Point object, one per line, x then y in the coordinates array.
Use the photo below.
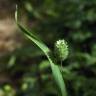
{"type": "Point", "coordinates": [59, 80]}
{"type": "Point", "coordinates": [55, 69]}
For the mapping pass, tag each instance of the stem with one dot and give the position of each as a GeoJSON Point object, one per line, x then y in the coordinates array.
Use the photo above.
{"type": "Point", "coordinates": [61, 64]}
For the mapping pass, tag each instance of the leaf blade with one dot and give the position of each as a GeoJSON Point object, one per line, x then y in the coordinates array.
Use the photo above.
{"type": "Point", "coordinates": [55, 69]}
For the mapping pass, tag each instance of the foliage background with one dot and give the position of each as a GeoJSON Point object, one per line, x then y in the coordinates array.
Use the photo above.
{"type": "Point", "coordinates": [27, 69]}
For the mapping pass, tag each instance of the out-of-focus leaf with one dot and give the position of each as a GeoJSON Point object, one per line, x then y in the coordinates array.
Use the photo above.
{"type": "Point", "coordinates": [44, 65]}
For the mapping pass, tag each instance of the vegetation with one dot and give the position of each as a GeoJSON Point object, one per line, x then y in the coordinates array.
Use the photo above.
{"type": "Point", "coordinates": [30, 71]}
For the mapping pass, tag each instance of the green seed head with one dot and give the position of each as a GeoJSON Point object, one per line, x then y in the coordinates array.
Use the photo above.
{"type": "Point", "coordinates": [61, 49]}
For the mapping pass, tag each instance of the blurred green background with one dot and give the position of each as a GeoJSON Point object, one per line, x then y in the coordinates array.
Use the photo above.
{"type": "Point", "coordinates": [24, 70]}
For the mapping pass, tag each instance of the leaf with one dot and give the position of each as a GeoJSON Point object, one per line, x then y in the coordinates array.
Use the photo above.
{"type": "Point", "coordinates": [12, 61]}
{"type": "Point", "coordinates": [59, 80]}
{"type": "Point", "coordinates": [55, 69]}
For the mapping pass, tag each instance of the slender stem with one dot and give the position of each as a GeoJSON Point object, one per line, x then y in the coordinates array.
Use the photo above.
{"type": "Point", "coordinates": [61, 64]}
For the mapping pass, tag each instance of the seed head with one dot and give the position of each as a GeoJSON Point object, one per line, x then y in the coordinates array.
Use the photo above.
{"type": "Point", "coordinates": [61, 49]}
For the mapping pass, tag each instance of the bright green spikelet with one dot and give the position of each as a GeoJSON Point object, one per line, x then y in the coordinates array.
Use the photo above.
{"type": "Point", "coordinates": [61, 50]}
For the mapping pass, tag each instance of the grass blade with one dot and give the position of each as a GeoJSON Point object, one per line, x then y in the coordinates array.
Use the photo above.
{"type": "Point", "coordinates": [55, 69]}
